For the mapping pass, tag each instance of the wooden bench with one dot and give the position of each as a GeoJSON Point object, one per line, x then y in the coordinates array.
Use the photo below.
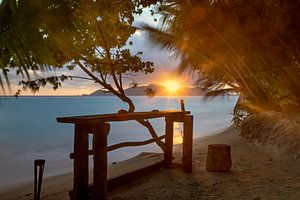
{"type": "Point", "coordinates": [99, 126]}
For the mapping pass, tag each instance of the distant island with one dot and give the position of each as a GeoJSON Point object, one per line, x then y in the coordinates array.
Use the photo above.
{"type": "Point", "coordinates": [153, 90]}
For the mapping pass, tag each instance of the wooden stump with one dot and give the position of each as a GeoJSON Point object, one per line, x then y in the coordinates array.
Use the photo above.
{"type": "Point", "coordinates": [218, 158]}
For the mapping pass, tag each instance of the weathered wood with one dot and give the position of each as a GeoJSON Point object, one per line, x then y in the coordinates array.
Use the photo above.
{"type": "Point", "coordinates": [96, 124]}
{"type": "Point", "coordinates": [218, 158]}
{"type": "Point", "coordinates": [182, 105]}
{"type": "Point", "coordinates": [133, 144]}
{"type": "Point", "coordinates": [168, 154]}
{"type": "Point", "coordinates": [132, 176]}
{"type": "Point", "coordinates": [187, 143]}
{"type": "Point", "coordinates": [121, 117]}
{"type": "Point", "coordinates": [132, 169]}
{"type": "Point", "coordinates": [81, 168]}
{"type": "Point", "coordinates": [138, 162]}
{"type": "Point", "coordinates": [125, 144]}
{"type": "Point", "coordinates": [120, 181]}
{"type": "Point", "coordinates": [178, 118]}
{"type": "Point", "coordinates": [101, 131]}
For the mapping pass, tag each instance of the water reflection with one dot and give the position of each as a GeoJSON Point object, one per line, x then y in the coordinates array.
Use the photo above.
{"type": "Point", "coordinates": [178, 133]}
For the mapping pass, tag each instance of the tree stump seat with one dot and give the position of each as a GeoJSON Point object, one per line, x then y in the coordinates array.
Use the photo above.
{"type": "Point", "coordinates": [218, 158]}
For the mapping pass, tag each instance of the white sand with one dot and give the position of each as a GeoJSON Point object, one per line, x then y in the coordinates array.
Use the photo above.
{"type": "Point", "coordinates": [256, 174]}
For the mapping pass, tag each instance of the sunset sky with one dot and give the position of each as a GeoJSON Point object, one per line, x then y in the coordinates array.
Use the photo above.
{"type": "Point", "coordinates": [165, 65]}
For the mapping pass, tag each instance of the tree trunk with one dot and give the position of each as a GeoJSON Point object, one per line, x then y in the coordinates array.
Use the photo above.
{"type": "Point", "coordinates": [218, 158]}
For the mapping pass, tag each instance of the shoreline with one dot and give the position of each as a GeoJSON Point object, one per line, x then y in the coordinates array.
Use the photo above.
{"type": "Point", "coordinates": [27, 182]}
{"type": "Point", "coordinates": [256, 174]}
{"type": "Point", "coordinates": [16, 184]}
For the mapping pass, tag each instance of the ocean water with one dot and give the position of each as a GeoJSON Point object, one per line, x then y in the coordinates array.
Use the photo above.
{"type": "Point", "coordinates": [28, 129]}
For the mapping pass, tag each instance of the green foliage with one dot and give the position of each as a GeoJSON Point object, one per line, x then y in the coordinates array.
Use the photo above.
{"type": "Point", "coordinates": [35, 85]}
{"type": "Point", "coordinates": [89, 34]}
{"type": "Point", "coordinates": [52, 34]}
{"type": "Point", "coordinates": [251, 47]}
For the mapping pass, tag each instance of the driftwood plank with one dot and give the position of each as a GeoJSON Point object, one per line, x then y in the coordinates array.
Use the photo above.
{"type": "Point", "coordinates": [122, 180]}
{"type": "Point", "coordinates": [121, 117]}
{"type": "Point", "coordinates": [132, 169]}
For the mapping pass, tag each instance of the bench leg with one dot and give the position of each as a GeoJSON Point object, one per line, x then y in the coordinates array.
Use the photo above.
{"type": "Point", "coordinates": [168, 154]}
{"type": "Point", "coordinates": [187, 143]}
{"type": "Point", "coordinates": [81, 165]}
{"type": "Point", "coordinates": [100, 160]}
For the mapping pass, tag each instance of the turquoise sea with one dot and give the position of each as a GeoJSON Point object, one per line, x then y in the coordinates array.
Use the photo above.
{"type": "Point", "coordinates": [28, 129]}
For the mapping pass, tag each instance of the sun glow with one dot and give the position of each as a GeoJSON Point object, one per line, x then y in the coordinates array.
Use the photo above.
{"type": "Point", "coordinates": [177, 139]}
{"type": "Point", "coordinates": [172, 86]}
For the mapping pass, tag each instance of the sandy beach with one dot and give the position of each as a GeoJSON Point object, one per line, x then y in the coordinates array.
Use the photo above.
{"type": "Point", "coordinates": [100, 96]}
{"type": "Point", "coordinates": [257, 173]}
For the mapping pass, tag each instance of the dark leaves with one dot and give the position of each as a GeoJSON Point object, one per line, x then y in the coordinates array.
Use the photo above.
{"type": "Point", "coordinates": [45, 35]}
{"type": "Point", "coordinates": [35, 85]}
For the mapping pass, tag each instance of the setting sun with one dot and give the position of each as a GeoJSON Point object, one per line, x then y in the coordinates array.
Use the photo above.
{"type": "Point", "coordinates": [172, 86]}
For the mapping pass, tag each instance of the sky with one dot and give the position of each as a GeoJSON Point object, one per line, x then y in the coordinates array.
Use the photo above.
{"type": "Point", "coordinates": [165, 66]}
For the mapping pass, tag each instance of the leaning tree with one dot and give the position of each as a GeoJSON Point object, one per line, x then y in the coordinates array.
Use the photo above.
{"type": "Point", "coordinates": [91, 35]}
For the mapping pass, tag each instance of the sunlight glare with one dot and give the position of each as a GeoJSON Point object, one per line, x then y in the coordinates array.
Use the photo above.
{"type": "Point", "coordinates": [177, 139]}
{"type": "Point", "coordinates": [172, 86]}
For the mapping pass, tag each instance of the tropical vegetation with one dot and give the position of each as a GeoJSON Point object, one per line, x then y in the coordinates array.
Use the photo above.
{"type": "Point", "coordinates": [249, 47]}
{"type": "Point", "coordinates": [41, 36]}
